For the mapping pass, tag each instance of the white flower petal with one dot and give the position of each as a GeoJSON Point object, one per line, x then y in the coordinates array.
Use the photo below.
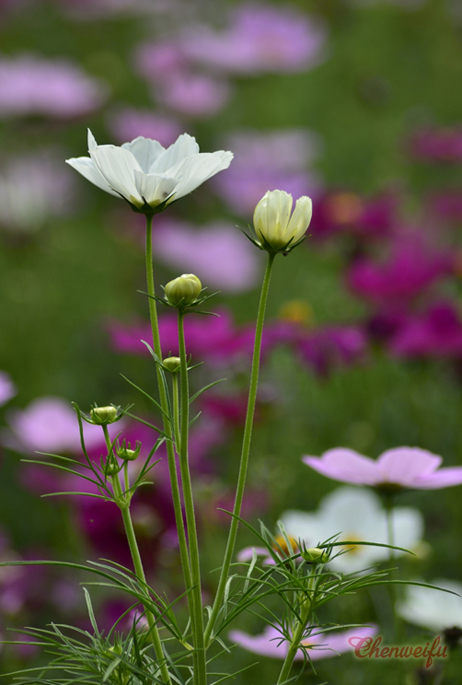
{"type": "Point", "coordinates": [91, 141]}
{"type": "Point", "coordinates": [193, 171]}
{"type": "Point", "coordinates": [118, 167]}
{"type": "Point", "coordinates": [185, 146]}
{"type": "Point", "coordinates": [300, 219]}
{"type": "Point", "coordinates": [85, 166]}
{"type": "Point", "coordinates": [154, 189]}
{"type": "Point", "coordinates": [145, 151]}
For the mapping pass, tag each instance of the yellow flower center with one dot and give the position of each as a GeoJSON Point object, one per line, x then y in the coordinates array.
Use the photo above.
{"type": "Point", "coordinates": [297, 311]}
{"type": "Point", "coordinates": [344, 208]}
{"type": "Point", "coordinates": [282, 545]}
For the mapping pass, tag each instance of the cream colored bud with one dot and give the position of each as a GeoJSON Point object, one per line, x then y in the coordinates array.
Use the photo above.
{"type": "Point", "coordinates": [276, 229]}
{"type": "Point", "coordinates": [103, 415]}
{"type": "Point", "coordinates": [184, 290]}
{"type": "Point", "coordinates": [172, 364]}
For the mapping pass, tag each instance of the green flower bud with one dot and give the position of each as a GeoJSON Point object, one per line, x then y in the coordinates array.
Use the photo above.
{"type": "Point", "coordinates": [126, 453]}
{"type": "Point", "coordinates": [111, 467]}
{"type": "Point", "coordinates": [172, 364]}
{"type": "Point", "coordinates": [101, 416]}
{"type": "Point", "coordinates": [314, 555]}
{"type": "Point", "coordinates": [183, 291]}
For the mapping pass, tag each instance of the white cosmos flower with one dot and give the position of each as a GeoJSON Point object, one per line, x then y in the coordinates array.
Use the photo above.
{"type": "Point", "coordinates": [276, 229]}
{"type": "Point", "coordinates": [356, 515]}
{"type": "Point", "coordinates": [432, 608]}
{"type": "Point", "coordinates": [146, 174]}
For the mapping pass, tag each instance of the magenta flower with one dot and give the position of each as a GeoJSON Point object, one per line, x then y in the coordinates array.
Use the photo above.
{"type": "Point", "coordinates": [329, 347]}
{"type": "Point", "coordinates": [344, 212]}
{"type": "Point", "coordinates": [7, 388]}
{"type": "Point", "coordinates": [264, 161]}
{"type": "Point", "coordinates": [216, 253]}
{"type": "Point", "coordinates": [260, 39]}
{"type": "Point", "coordinates": [320, 645]}
{"type": "Point", "coordinates": [129, 123]}
{"type": "Point", "coordinates": [412, 266]}
{"type": "Point", "coordinates": [437, 145]}
{"type": "Point", "coordinates": [435, 333]}
{"type": "Point", "coordinates": [446, 205]}
{"type": "Point", "coordinates": [401, 467]}
{"type": "Point", "coordinates": [31, 84]}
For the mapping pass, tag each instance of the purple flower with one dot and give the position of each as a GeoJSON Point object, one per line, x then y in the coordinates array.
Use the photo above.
{"type": "Point", "coordinates": [33, 188]}
{"type": "Point", "coordinates": [332, 346]}
{"type": "Point", "coordinates": [260, 39]}
{"type": "Point", "coordinates": [7, 388]}
{"type": "Point", "coordinates": [217, 253]}
{"type": "Point", "coordinates": [320, 645]}
{"type": "Point", "coordinates": [442, 145]}
{"type": "Point", "coordinates": [343, 211]}
{"type": "Point", "coordinates": [129, 123]}
{"type": "Point", "coordinates": [413, 265]}
{"type": "Point", "coordinates": [435, 333]}
{"type": "Point", "coordinates": [446, 205]}
{"type": "Point", "coordinates": [31, 84]}
{"type": "Point", "coordinates": [400, 467]}
{"type": "Point", "coordinates": [264, 161]}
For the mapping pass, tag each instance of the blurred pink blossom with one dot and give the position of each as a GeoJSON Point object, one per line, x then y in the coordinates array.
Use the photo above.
{"type": "Point", "coordinates": [330, 347]}
{"type": "Point", "coordinates": [7, 388]}
{"type": "Point", "coordinates": [412, 266]}
{"type": "Point", "coordinates": [435, 333]}
{"type": "Point", "coordinates": [266, 161]}
{"type": "Point", "coordinates": [259, 38]}
{"type": "Point", "coordinates": [129, 123]}
{"type": "Point", "coordinates": [446, 205]}
{"type": "Point", "coordinates": [49, 424]}
{"type": "Point", "coordinates": [31, 84]}
{"type": "Point", "coordinates": [401, 467]}
{"type": "Point", "coordinates": [318, 645]}
{"type": "Point", "coordinates": [440, 145]}
{"type": "Point", "coordinates": [219, 254]}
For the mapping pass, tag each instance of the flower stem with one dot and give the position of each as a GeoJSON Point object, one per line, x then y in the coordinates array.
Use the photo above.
{"type": "Point", "coordinates": [200, 674]}
{"type": "Point", "coordinates": [121, 501]}
{"type": "Point", "coordinates": [244, 454]}
{"type": "Point", "coordinates": [168, 428]}
{"type": "Point", "coordinates": [297, 635]}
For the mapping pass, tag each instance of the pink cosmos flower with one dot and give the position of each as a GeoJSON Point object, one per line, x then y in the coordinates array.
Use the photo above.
{"type": "Point", "coordinates": [7, 388]}
{"type": "Point", "coordinates": [260, 39]}
{"type": "Point", "coordinates": [435, 333]}
{"type": "Point", "coordinates": [400, 467]}
{"type": "Point", "coordinates": [217, 253]}
{"type": "Point", "coordinates": [31, 84]}
{"type": "Point", "coordinates": [320, 645]}
{"type": "Point", "coordinates": [129, 123]}
{"type": "Point", "coordinates": [413, 265]}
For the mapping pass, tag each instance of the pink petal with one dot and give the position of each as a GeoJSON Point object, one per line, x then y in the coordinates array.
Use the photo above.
{"type": "Point", "coordinates": [345, 465]}
{"type": "Point", "coordinates": [441, 479]}
{"type": "Point", "coordinates": [405, 465]}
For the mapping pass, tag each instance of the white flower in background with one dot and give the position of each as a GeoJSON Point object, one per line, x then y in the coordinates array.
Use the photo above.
{"type": "Point", "coordinates": [432, 608]}
{"type": "Point", "coordinates": [356, 515]}
{"type": "Point", "coordinates": [146, 174]}
{"type": "Point", "coordinates": [276, 229]}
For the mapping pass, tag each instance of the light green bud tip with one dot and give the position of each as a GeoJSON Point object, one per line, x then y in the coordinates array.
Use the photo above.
{"type": "Point", "coordinates": [125, 452]}
{"type": "Point", "coordinates": [172, 364]}
{"type": "Point", "coordinates": [103, 415]}
{"type": "Point", "coordinates": [314, 555]}
{"type": "Point", "coordinates": [183, 291]}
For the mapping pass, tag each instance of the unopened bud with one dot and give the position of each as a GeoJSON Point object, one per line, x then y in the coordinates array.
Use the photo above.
{"type": "Point", "coordinates": [111, 468]}
{"type": "Point", "coordinates": [183, 291]}
{"type": "Point", "coordinates": [125, 452]}
{"type": "Point", "coordinates": [172, 364]}
{"type": "Point", "coordinates": [101, 416]}
{"type": "Point", "coordinates": [314, 555]}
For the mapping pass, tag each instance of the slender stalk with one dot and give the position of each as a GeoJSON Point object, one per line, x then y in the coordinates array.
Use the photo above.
{"type": "Point", "coordinates": [245, 452]}
{"type": "Point", "coordinates": [168, 429]}
{"type": "Point", "coordinates": [200, 673]}
{"type": "Point", "coordinates": [176, 410]}
{"type": "Point", "coordinates": [137, 562]}
{"type": "Point", "coordinates": [297, 635]}
{"type": "Point", "coordinates": [389, 502]}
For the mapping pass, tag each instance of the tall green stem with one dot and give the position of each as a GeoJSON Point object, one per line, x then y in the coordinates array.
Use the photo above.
{"type": "Point", "coordinates": [168, 429]}
{"type": "Point", "coordinates": [297, 636]}
{"type": "Point", "coordinates": [137, 562]}
{"type": "Point", "coordinates": [200, 674]}
{"type": "Point", "coordinates": [245, 452]}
